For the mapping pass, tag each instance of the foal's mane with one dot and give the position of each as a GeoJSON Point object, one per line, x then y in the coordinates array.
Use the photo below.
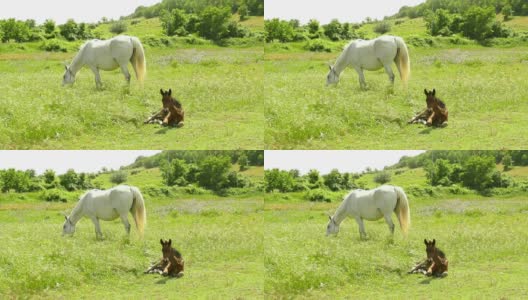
{"type": "Point", "coordinates": [440, 102]}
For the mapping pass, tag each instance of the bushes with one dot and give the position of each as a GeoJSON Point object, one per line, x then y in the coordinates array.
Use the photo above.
{"type": "Point", "coordinates": [118, 27]}
{"type": "Point", "coordinates": [317, 45]}
{"type": "Point", "coordinates": [54, 195]}
{"type": "Point", "coordinates": [318, 195]}
{"type": "Point", "coordinates": [119, 177]}
{"type": "Point", "coordinates": [54, 45]}
{"type": "Point", "coordinates": [382, 27]}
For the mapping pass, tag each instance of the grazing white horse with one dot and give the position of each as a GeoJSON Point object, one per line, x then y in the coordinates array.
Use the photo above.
{"type": "Point", "coordinates": [109, 55]}
{"type": "Point", "coordinates": [109, 205]}
{"type": "Point", "coordinates": [373, 55]}
{"type": "Point", "coordinates": [372, 205]}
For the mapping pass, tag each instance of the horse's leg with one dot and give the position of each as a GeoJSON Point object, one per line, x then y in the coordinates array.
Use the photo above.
{"type": "Point", "coordinates": [362, 233]}
{"type": "Point", "coordinates": [98, 83]}
{"type": "Point", "coordinates": [388, 219]}
{"type": "Point", "coordinates": [98, 233]}
{"type": "Point", "coordinates": [124, 219]}
{"type": "Point", "coordinates": [388, 70]}
{"type": "Point", "coordinates": [124, 69]}
{"type": "Point", "coordinates": [362, 82]}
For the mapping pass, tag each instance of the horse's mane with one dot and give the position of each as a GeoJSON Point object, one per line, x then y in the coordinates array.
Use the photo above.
{"type": "Point", "coordinates": [440, 103]}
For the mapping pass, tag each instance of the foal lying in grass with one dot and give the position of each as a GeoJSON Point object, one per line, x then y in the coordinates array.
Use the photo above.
{"type": "Point", "coordinates": [435, 114]}
{"type": "Point", "coordinates": [171, 114]}
{"type": "Point", "coordinates": [171, 264]}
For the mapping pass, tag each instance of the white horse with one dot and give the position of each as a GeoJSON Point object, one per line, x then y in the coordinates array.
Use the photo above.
{"type": "Point", "coordinates": [372, 205]}
{"type": "Point", "coordinates": [373, 55]}
{"type": "Point", "coordinates": [109, 55]}
{"type": "Point", "coordinates": [108, 205]}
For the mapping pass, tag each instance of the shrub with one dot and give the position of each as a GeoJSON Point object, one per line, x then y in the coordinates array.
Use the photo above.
{"type": "Point", "coordinates": [53, 45]}
{"type": "Point", "coordinates": [53, 195]}
{"type": "Point", "coordinates": [318, 195]}
{"type": "Point", "coordinates": [382, 27]}
{"type": "Point", "coordinates": [119, 177]}
{"type": "Point", "coordinates": [118, 27]}
{"type": "Point", "coordinates": [317, 45]}
{"type": "Point", "coordinates": [382, 177]}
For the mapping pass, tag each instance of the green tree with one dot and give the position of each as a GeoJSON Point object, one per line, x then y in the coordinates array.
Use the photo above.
{"type": "Point", "coordinates": [243, 162]}
{"type": "Point", "coordinates": [313, 26]}
{"type": "Point", "coordinates": [12, 179]}
{"type": "Point", "coordinates": [49, 26]}
{"type": "Point", "coordinates": [118, 177]}
{"type": "Point", "coordinates": [478, 171]}
{"type": "Point", "coordinates": [439, 172]}
{"type": "Point", "coordinates": [333, 30]}
{"type": "Point", "coordinates": [243, 12]}
{"type": "Point", "coordinates": [333, 180]}
{"type": "Point", "coordinates": [49, 176]}
{"type": "Point", "coordinates": [313, 176]}
{"type": "Point", "coordinates": [439, 22]}
{"type": "Point", "coordinates": [175, 172]}
{"type": "Point", "coordinates": [119, 27]}
{"type": "Point", "coordinates": [213, 172]}
{"type": "Point", "coordinates": [507, 162]}
{"type": "Point", "coordinates": [478, 22]}
{"type": "Point", "coordinates": [69, 30]}
{"type": "Point", "coordinates": [507, 12]}
{"type": "Point", "coordinates": [276, 179]}
{"type": "Point", "coordinates": [278, 30]}
{"type": "Point", "coordinates": [382, 27]}
{"type": "Point", "coordinates": [174, 22]}
{"type": "Point", "coordinates": [69, 180]}
{"type": "Point", "coordinates": [214, 22]}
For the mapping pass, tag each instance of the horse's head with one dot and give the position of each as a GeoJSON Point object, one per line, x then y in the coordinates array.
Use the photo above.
{"type": "Point", "coordinates": [332, 227]}
{"type": "Point", "coordinates": [166, 248]}
{"type": "Point", "coordinates": [430, 97]}
{"type": "Point", "coordinates": [430, 248]}
{"type": "Point", "coordinates": [332, 77]}
{"type": "Point", "coordinates": [68, 77]}
{"type": "Point", "coordinates": [68, 227]}
{"type": "Point", "coordinates": [166, 97]}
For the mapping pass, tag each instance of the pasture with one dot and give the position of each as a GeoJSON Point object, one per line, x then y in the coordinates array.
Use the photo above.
{"type": "Point", "coordinates": [220, 239]}
{"type": "Point", "coordinates": [220, 89]}
{"type": "Point", "coordinates": [484, 240]}
{"type": "Point", "coordinates": [483, 88]}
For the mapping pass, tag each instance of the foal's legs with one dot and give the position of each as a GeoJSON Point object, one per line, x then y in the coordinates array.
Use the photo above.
{"type": "Point", "coordinates": [362, 232]}
{"type": "Point", "coordinates": [124, 219]}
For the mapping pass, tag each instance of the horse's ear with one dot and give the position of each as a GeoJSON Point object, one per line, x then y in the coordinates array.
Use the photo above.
{"type": "Point", "coordinates": [330, 218]}
{"type": "Point", "coordinates": [161, 241]}
{"type": "Point", "coordinates": [161, 91]}
{"type": "Point", "coordinates": [330, 67]}
{"type": "Point", "coordinates": [434, 241]}
{"type": "Point", "coordinates": [170, 242]}
{"type": "Point", "coordinates": [434, 92]}
{"type": "Point", "coordinates": [425, 92]}
{"type": "Point", "coordinates": [425, 241]}
{"type": "Point", "coordinates": [65, 217]}
{"type": "Point", "coordinates": [170, 92]}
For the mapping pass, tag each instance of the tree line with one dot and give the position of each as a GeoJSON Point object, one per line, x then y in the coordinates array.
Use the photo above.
{"type": "Point", "coordinates": [243, 7]}
{"type": "Point", "coordinates": [506, 7]}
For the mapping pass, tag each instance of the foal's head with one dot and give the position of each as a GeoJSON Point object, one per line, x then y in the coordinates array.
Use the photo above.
{"type": "Point", "coordinates": [430, 248]}
{"type": "Point", "coordinates": [166, 248]}
{"type": "Point", "coordinates": [430, 97]}
{"type": "Point", "coordinates": [166, 97]}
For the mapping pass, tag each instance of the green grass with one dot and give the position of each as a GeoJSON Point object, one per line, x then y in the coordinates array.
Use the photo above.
{"type": "Point", "coordinates": [220, 239]}
{"type": "Point", "coordinates": [482, 87]}
{"type": "Point", "coordinates": [484, 240]}
{"type": "Point", "coordinates": [220, 88]}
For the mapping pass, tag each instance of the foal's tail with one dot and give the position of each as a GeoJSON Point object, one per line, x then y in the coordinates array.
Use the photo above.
{"type": "Point", "coordinates": [138, 59]}
{"type": "Point", "coordinates": [402, 210]}
{"type": "Point", "coordinates": [402, 60]}
{"type": "Point", "coordinates": [138, 210]}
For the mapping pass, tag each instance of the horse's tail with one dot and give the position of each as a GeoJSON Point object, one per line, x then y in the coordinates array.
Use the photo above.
{"type": "Point", "coordinates": [402, 60]}
{"type": "Point", "coordinates": [138, 59]}
{"type": "Point", "coordinates": [138, 210]}
{"type": "Point", "coordinates": [402, 209]}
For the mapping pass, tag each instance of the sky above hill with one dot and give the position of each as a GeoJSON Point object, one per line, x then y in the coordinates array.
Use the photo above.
{"type": "Point", "coordinates": [326, 160]}
{"type": "Point", "coordinates": [61, 10]}
{"type": "Point", "coordinates": [62, 160]}
{"type": "Point", "coordinates": [324, 11]}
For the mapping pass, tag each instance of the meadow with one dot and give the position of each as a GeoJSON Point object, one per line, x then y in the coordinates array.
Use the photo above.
{"type": "Point", "coordinates": [484, 240]}
{"type": "Point", "coordinates": [220, 88]}
{"type": "Point", "coordinates": [483, 87]}
{"type": "Point", "coordinates": [220, 239]}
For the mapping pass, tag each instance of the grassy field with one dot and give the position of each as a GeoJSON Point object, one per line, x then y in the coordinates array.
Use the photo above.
{"type": "Point", "coordinates": [220, 89]}
{"type": "Point", "coordinates": [220, 239]}
{"type": "Point", "coordinates": [482, 87]}
{"type": "Point", "coordinates": [484, 240]}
